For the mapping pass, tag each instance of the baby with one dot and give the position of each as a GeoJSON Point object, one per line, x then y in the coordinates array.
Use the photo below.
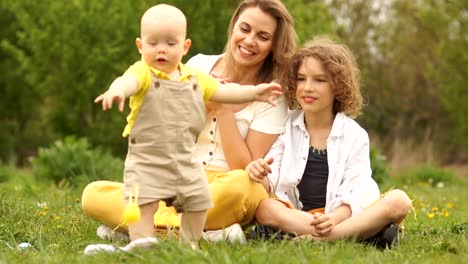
{"type": "Point", "coordinates": [167, 114]}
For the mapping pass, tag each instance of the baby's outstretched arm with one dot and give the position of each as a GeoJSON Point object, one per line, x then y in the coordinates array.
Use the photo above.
{"type": "Point", "coordinates": [120, 89]}
{"type": "Point", "coordinates": [231, 93]}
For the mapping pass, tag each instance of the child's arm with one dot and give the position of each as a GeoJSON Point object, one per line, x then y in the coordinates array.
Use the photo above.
{"type": "Point", "coordinates": [232, 93]}
{"type": "Point", "coordinates": [120, 89]}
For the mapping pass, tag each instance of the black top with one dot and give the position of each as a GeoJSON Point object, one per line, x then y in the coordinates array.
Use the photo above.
{"type": "Point", "coordinates": [313, 185]}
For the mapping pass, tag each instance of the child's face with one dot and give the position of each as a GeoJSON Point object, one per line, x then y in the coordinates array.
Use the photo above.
{"type": "Point", "coordinates": [252, 36]}
{"type": "Point", "coordinates": [163, 44]}
{"type": "Point", "coordinates": [314, 91]}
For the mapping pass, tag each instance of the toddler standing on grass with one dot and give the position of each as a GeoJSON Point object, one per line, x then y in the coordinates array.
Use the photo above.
{"type": "Point", "coordinates": [167, 114]}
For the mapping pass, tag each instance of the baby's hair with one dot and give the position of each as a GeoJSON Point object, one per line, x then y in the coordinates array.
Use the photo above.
{"type": "Point", "coordinates": [340, 67]}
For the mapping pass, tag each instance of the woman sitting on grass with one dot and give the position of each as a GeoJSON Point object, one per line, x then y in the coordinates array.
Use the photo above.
{"type": "Point", "coordinates": [319, 170]}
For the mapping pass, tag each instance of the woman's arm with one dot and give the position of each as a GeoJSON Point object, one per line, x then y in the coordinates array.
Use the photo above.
{"type": "Point", "coordinates": [237, 152]}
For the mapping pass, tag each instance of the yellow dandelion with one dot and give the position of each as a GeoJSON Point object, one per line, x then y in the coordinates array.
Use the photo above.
{"type": "Point", "coordinates": [450, 205]}
{"type": "Point", "coordinates": [46, 207]}
{"type": "Point", "coordinates": [435, 209]}
{"type": "Point", "coordinates": [431, 215]}
{"type": "Point", "coordinates": [446, 214]}
{"type": "Point", "coordinates": [57, 217]}
{"type": "Point", "coordinates": [77, 200]}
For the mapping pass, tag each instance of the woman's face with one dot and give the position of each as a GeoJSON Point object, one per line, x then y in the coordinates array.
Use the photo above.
{"type": "Point", "coordinates": [252, 37]}
{"type": "Point", "coordinates": [314, 91]}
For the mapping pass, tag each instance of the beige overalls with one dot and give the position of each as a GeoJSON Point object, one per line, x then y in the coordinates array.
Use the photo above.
{"type": "Point", "coordinates": [160, 157]}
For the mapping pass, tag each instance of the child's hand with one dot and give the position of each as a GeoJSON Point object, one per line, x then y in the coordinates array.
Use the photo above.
{"type": "Point", "coordinates": [109, 97]}
{"type": "Point", "coordinates": [266, 92]}
{"type": "Point", "coordinates": [324, 224]}
{"type": "Point", "coordinates": [259, 169]}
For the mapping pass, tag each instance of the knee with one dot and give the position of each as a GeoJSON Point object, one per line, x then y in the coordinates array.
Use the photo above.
{"type": "Point", "coordinates": [88, 196]}
{"type": "Point", "coordinates": [398, 204]}
{"type": "Point", "coordinates": [85, 196]}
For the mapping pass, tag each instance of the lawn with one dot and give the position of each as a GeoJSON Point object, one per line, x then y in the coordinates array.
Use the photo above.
{"type": "Point", "coordinates": [49, 217]}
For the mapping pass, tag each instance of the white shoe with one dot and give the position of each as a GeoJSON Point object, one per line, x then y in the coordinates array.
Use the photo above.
{"type": "Point", "coordinates": [99, 248]}
{"type": "Point", "coordinates": [145, 242]}
{"type": "Point", "coordinates": [232, 234]}
{"type": "Point", "coordinates": [107, 233]}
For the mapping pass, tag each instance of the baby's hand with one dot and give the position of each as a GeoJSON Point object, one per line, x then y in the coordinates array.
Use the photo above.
{"type": "Point", "coordinates": [109, 97]}
{"type": "Point", "coordinates": [259, 169]}
{"type": "Point", "coordinates": [266, 92]}
{"type": "Point", "coordinates": [220, 78]}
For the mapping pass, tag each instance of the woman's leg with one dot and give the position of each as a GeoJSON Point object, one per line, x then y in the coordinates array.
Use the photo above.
{"type": "Point", "coordinates": [274, 213]}
{"type": "Point", "coordinates": [235, 198]}
{"type": "Point", "coordinates": [103, 201]}
{"type": "Point", "coordinates": [392, 208]}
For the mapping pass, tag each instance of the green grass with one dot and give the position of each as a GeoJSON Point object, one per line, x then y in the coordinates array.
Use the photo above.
{"type": "Point", "coordinates": [49, 217]}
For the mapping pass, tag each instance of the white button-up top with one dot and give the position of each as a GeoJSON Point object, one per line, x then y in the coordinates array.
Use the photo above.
{"type": "Point", "coordinates": [349, 178]}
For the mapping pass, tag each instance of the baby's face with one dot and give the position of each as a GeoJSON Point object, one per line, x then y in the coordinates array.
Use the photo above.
{"type": "Point", "coordinates": [163, 44]}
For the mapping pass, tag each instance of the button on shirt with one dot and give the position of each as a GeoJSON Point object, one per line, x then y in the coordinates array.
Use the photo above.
{"type": "Point", "coordinates": [349, 176]}
{"type": "Point", "coordinates": [258, 116]}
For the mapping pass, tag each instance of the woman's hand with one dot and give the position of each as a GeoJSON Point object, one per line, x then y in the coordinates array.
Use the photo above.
{"type": "Point", "coordinates": [259, 169]}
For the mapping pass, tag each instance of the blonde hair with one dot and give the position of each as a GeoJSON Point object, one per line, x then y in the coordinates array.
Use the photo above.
{"type": "Point", "coordinates": [284, 40]}
{"type": "Point", "coordinates": [341, 69]}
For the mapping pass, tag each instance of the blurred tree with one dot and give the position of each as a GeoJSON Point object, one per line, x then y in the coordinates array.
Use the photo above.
{"type": "Point", "coordinates": [406, 51]}
{"type": "Point", "coordinates": [452, 72]}
{"type": "Point", "coordinates": [311, 18]}
{"type": "Point", "coordinates": [65, 54]}
{"type": "Point", "coordinates": [20, 97]}
{"type": "Point", "coordinates": [57, 56]}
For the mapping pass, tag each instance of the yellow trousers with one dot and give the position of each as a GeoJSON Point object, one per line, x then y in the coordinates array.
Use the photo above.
{"type": "Point", "coordinates": [235, 198]}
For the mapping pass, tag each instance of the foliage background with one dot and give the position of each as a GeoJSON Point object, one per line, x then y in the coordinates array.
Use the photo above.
{"type": "Point", "coordinates": [57, 56]}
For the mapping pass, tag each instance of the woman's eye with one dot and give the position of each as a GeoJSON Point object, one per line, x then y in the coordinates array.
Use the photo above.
{"type": "Point", "coordinates": [263, 38]}
{"type": "Point", "coordinates": [244, 29]}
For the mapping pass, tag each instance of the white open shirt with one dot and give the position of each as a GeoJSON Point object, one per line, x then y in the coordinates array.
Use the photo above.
{"type": "Point", "coordinates": [349, 177]}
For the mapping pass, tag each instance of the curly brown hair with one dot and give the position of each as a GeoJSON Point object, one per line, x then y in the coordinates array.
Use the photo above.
{"type": "Point", "coordinates": [340, 67]}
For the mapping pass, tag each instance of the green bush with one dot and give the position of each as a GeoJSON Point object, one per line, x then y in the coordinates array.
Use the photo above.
{"type": "Point", "coordinates": [71, 159]}
{"type": "Point", "coordinates": [6, 173]}
{"type": "Point", "coordinates": [429, 173]}
{"type": "Point", "coordinates": [380, 170]}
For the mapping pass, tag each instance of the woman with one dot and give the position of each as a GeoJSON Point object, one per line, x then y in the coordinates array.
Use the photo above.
{"type": "Point", "coordinates": [261, 39]}
{"type": "Point", "coordinates": [319, 169]}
